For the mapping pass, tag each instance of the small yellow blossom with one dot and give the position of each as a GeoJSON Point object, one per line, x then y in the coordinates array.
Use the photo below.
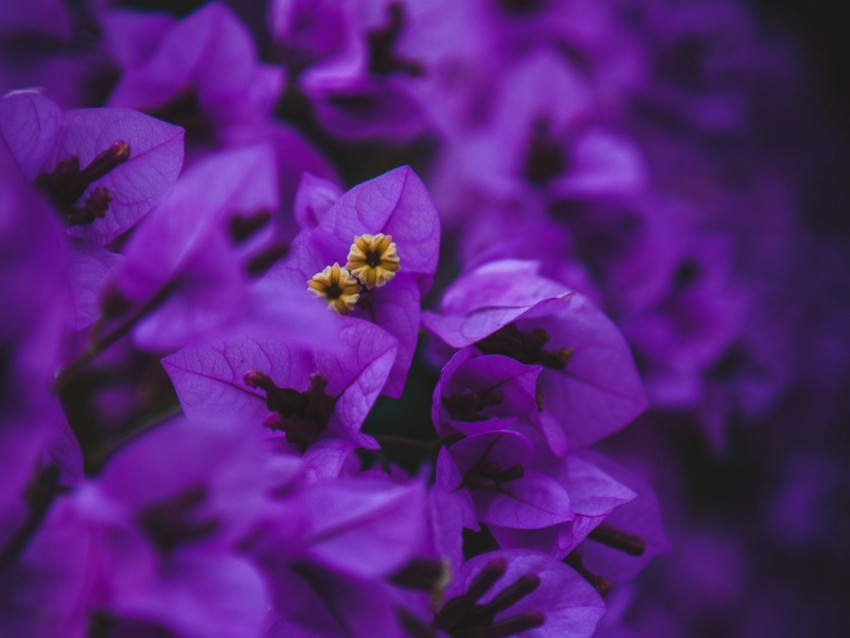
{"type": "Point", "coordinates": [373, 259]}
{"type": "Point", "coordinates": [336, 285]}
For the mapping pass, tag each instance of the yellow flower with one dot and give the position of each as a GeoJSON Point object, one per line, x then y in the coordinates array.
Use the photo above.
{"type": "Point", "coordinates": [373, 259]}
{"type": "Point", "coordinates": [336, 285]}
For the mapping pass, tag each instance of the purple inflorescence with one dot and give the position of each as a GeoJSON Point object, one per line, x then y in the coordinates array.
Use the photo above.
{"type": "Point", "coordinates": [425, 319]}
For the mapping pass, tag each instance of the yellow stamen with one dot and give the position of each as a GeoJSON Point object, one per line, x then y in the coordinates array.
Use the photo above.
{"type": "Point", "coordinates": [336, 285]}
{"type": "Point", "coordinates": [373, 259]}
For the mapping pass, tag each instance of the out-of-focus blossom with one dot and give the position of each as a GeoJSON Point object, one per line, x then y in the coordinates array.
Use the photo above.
{"type": "Point", "coordinates": [102, 169]}
{"type": "Point", "coordinates": [201, 72]}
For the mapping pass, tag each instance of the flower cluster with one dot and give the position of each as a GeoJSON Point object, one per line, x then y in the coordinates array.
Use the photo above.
{"type": "Point", "coordinates": [327, 318]}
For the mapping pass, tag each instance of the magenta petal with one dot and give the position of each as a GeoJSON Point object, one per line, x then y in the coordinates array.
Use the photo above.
{"type": "Point", "coordinates": [160, 463]}
{"type": "Point", "coordinates": [460, 331]}
{"type": "Point", "coordinates": [313, 199]}
{"type": "Point", "coordinates": [492, 296]}
{"type": "Point", "coordinates": [469, 372]}
{"type": "Point", "coordinates": [47, 590]}
{"type": "Point", "coordinates": [555, 540]}
{"type": "Point", "coordinates": [29, 125]}
{"type": "Point", "coordinates": [363, 364]}
{"type": "Point", "coordinates": [593, 496]}
{"type": "Point", "coordinates": [600, 390]}
{"type": "Point", "coordinates": [592, 491]}
{"type": "Point", "coordinates": [571, 606]}
{"type": "Point", "coordinates": [503, 447]}
{"type": "Point", "coordinates": [317, 602]}
{"type": "Point", "coordinates": [640, 517]}
{"type": "Point", "coordinates": [326, 458]}
{"type": "Point", "coordinates": [605, 165]}
{"type": "Point", "coordinates": [530, 502]}
{"type": "Point", "coordinates": [156, 156]}
{"type": "Point", "coordinates": [209, 50]}
{"type": "Point", "coordinates": [131, 36]}
{"type": "Point", "coordinates": [179, 229]}
{"type": "Point", "coordinates": [291, 309]}
{"type": "Point", "coordinates": [365, 527]}
{"type": "Point", "coordinates": [211, 295]}
{"type": "Point", "coordinates": [396, 204]}
{"type": "Point", "coordinates": [448, 480]}
{"type": "Point", "coordinates": [209, 377]}
{"type": "Point", "coordinates": [396, 309]}
{"type": "Point", "coordinates": [510, 284]}
{"type": "Point", "coordinates": [219, 595]}
{"type": "Point", "coordinates": [89, 268]}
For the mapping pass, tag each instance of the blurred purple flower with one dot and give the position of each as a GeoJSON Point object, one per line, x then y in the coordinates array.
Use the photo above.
{"type": "Point", "coordinates": [103, 169]}
{"type": "Point", "coordinates": [328, 552]}
{"type": "Point", "coordinates": [202, 72]}
{"type": "Point", "coordinates": [165, 516]}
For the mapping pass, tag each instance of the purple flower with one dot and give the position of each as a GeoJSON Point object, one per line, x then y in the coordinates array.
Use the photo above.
{"type": "Point", "coordinates": [165, 516]}
{"type": "Point", "coordinates": [505, 457]}
{"type": "Point", "coordinates": [202, 73]}
{"type": "Point", "coordinates": [32, 425]}
{"type": "Point", "coordinates": [543, 143]}
{"type": "Point", "coordinates": [594, 496]}
{"type": "Point", "coordinates": [183, 261]}
{"type": "Point", "coordinates": [312, 34]}
{"type": "Point", "coordinates": [313, 400]}
{"type": "Point", "coordinates": [347, 63]}
{"type": "Point", "coordinates": [394, 205]}
{"type": "Point", "coordinates": [494, 470]}
{"type": "Point", "coordinates": [46, 583]}
{"type": "Point", "coordinates": [329, 553]}
{"type": "Point", "coordinates": [477, 394]}
{"type": "Point", "coordinates": [102, 169]}
{"type": "Point", "coordinates": [89, 269]}
{"type": "Point", "coordinates": [631, 535]}
{"type": "Point", "coordinates": [313, 199]}
{"type": "Point", "coordinates": [685, 329]}
{"type": "Point", "coordinates": [589, 384]}
{"type": "Point", "coordinates": [521, 593]}
{"type": "Point", "coordinates": [522, 229]}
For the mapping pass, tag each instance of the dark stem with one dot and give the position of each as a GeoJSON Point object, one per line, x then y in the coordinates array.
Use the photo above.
{"type": "Point", "coordinates": [99, 344]}
{"type": "Point", "coordinates": [102, 454]}
{"type": "Point", "coordinates": [366, 302]}
{"type": "Point", "coordinates": [600, 584]}
{"type": "Point", "coordinates": [618, 539]}
{"type": "Point", "coordinates": [39, 494]}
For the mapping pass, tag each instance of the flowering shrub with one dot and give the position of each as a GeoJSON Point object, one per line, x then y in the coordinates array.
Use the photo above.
{"type": "Point", "coordinates": [330, 318]}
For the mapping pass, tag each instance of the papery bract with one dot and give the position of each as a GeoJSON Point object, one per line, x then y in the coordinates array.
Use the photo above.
{"type": "Point", "coordinates": [592, 394]}
{"type": "Point", "coordinates": [326, 570]}
{"type": "Point", "coordinates": [477, 394]}
{"type": "Point", "coordinates": [210, 379]}
{"type": "Point", "coordinates": [494, 469]}
{"type": "Point", "coordinates": [182, 254]}
{"type": "Point", "coordinates": [394, 204]}
{"type": "Point", "coordinates": [568, 604]}
{"type": "Point", "coordinates": [204, 67]}
{"type": "Point", "coordinates": [41, 137]}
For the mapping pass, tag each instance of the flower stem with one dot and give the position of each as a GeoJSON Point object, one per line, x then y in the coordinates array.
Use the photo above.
{"type": "Point", "coordinates": [102, 343]}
